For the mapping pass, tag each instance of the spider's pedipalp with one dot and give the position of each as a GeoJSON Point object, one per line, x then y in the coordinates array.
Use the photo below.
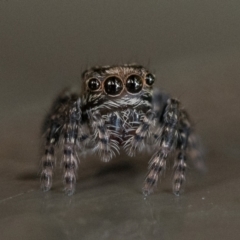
{"type": "Point", "coordinates": [105, 146]}
{"type": "Point", "coordinates": [137, 141]}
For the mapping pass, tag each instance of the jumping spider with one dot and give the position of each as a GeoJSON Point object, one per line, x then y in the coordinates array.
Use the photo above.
{"type": "Point", "coordinates": [118, 108]}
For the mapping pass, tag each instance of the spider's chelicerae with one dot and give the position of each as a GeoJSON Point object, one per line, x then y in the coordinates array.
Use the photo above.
{"type": "Point", "coordinates": [117, 109]}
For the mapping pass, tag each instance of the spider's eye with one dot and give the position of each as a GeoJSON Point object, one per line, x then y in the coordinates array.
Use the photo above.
{"type": "Point", "coordinates": [150, 79]}
{"type": "Point", "coordinates": [93, 84]}
{"type": "Point", "coordinates": [113, 85]}
{"type": "Point", "coordinates": [134, 84]}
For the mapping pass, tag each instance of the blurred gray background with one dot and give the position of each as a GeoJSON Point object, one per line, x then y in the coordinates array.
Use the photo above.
{"type": "Point", "coordinates": [194, 49]}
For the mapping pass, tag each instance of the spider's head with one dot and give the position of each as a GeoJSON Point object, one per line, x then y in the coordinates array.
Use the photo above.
{"type": "Point", "coordinates": [115, 81]}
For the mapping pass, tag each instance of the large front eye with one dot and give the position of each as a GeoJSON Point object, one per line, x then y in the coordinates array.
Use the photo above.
{"type": "Point", "coordinates": [134, 84]}
{"type": "Point", "coordinates": [93, 84]}
{"type": "Point", "coordinates": [113, 86]}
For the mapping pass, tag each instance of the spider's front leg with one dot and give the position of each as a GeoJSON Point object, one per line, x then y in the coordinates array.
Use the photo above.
{"type": "Point", "coordinates": [180, 165]}
{"type": "Point", "coordinates": [53, 126]}
{"type": "Point", "coordinates": [172, 134]}
{"type": "Point", "coordinates": [71, 131]}
{"type": "Point", "coordinates": [65, 124]}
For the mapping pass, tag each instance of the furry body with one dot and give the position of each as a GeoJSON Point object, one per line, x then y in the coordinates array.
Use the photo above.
{"type": "Point", "coordinates": [117, 108]}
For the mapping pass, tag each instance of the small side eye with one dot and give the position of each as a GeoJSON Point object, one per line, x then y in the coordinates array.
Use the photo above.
{"type": "Point", "coordinates": [150, 79]}
{"type": "Point", "coordinates": [134, 84]}
{"type": "Point", "coordinates": [94, 84]}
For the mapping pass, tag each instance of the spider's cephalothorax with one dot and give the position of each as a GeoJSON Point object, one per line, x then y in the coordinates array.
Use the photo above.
{"type": "Point", "coordinates": [118, 108]}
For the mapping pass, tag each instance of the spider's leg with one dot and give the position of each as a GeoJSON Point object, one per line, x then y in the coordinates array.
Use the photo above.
{"type": "Point", "coordinates": [105, 145]}
{"type": "Point", "coordinates": [72, 134]}
{"type": "Point", "coordinates": [180, 161]}
{"type": "Point", "coordinates": [52, 127]}
{"type": "Point", "coordinates": [195, 152]}
{"type": "Point", "coordinates": [137, 141]}
{"type": "Point", "coordinates": [166, 138]}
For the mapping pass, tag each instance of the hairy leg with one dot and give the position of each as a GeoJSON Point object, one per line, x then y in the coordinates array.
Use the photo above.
{"type": "Point", "coordinates": [166, 139]}
{"type": "Point", "coordinates": [71, 132]}
{"type": "Point", "coordinates": [63, 122]}
{"type": "Point", "coordinates": [180, 161]}
{"type": "Point", "coordinates": [52, 128]}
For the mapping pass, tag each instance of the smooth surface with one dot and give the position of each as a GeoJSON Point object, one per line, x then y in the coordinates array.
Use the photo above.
{"type": "Point", "coordinates": [194, 49]}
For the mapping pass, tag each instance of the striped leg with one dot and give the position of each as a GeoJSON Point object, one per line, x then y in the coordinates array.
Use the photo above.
{"type": "Point", "coordinates": [48, 160]}
{"type": "Point", "coordinates": [65, 122]}
{"type": "Point", "coordinates": [166, 142]}
{"type": "Point", "coordinates": [71, 136]}
{"type": "Point", "coordinates": [52, 126]}
{"type": "Point", "coordinates": [179, 172]}
{"type": "Point", "coordinates": [195, 152]}
{"type": "Point", "coordinates": [180, 161]}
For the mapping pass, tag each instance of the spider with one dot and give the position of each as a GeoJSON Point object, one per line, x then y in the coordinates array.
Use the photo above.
{"type": "Point", "coordinates": [118, 108]}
